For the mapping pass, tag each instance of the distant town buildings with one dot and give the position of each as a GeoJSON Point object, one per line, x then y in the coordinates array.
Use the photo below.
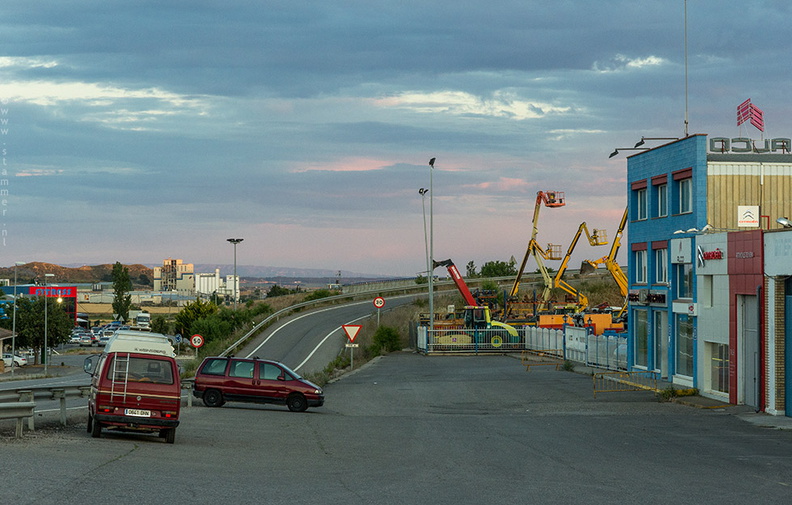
{"type": "Point", "coordinates": [174, 275]}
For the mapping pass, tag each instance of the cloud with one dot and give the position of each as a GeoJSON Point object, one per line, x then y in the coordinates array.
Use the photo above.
{"type": "Point", "coordinates": [501, 104]}
{"type": "Point", "coordinates": [620, 62]}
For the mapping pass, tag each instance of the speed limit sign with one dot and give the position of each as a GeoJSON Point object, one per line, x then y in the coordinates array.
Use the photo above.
{"type": "Point", "coordinates": [379, 302]}
{"type": "Point", "coordinates": [196, 341]}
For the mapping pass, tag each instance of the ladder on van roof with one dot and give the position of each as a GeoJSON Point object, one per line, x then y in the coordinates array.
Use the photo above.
{"type": "Point", "coordinates": [120, 371]}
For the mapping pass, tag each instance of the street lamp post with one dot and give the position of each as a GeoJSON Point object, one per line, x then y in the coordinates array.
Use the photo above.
{"type": "Point", "coordinates": [423, 192]}
{"type": "Point", "coordinates": [44, 356]}
{"type": "Point", "coordinates": [13, 324]}
{"type": "Point", "coordinates": [235, 241]}
{"type": "Point", "coordinates": [431, 243]}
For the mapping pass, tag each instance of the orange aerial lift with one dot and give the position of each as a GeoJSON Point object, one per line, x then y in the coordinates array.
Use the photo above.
{"type": "Point", "coordinates": [550, 199]}
{"type": "Point", "coordinates": [610, 263]}
{"type": "Point", "coordinates": [597, 238]}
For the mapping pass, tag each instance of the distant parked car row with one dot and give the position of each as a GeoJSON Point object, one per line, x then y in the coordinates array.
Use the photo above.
{"type": "Point", "coordinates": [96, 336]}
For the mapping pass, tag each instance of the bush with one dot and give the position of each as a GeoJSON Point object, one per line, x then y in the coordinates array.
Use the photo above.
{"type": "Point", "coordinates": [385, 339]}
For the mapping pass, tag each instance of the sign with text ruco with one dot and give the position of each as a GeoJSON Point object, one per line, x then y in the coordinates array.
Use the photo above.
{"type": "Point", "coordinates": [351, 331]}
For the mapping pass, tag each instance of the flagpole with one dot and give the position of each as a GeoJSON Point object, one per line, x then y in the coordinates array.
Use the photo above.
{"type": "Point", "coordinates": [686, 73]}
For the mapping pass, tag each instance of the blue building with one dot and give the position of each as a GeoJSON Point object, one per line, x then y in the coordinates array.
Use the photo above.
{"type": "Point", "coordinates": [667, 198]}
{"type": "Point", "coordinates": [680, 194]}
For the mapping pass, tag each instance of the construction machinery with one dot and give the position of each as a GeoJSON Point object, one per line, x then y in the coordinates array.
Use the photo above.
{"type": "Point", "coordinates": [550, 199]}
{"type": "Point", "coordinates": [475, 315]}
{"type": "Point", "coordinates": [598, 238]}
{"type": "Point", "coordinates": [610, 263]}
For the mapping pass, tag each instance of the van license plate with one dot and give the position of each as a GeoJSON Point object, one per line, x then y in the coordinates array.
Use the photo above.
{"type": "Point", "coordinates": [138, 413]}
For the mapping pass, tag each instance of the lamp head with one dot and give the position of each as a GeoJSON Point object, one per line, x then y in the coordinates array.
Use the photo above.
{"type": "Point", "coordinates": [431, 162]}
{"type": "Point", "coordinates": [785, 222]}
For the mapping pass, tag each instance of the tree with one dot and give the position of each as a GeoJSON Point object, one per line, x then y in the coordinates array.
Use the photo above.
{"type": "Point", "coordinates": [499, 268]}
{"type": "Point", "coordinates": [471, 270]}
{"type": "Point", "coordinates": [30, 324]}
{"type": "Point", "coordinates": [191, 313]}
{"type": "Point", "coordinates": [160, 325]}
{"type": "Point", "coordinates": [279, 291]}
{"type": "Point", "coordinates": [122, 285]}
{"type": "Point", "coordinates": [387, 339]}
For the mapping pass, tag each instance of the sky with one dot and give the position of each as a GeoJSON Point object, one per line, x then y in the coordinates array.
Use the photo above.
{"type": "Point", "coordinates": [139, 131]}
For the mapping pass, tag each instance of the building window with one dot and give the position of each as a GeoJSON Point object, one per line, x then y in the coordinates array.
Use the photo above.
{"type": "Point", "coordinates": [684, 280]}
{"type": "Point", "coordinates": [641, 338]}
{"type": "Point", "coordinates": [640, 204]}
{"type": "Point", "coordinates": [640, 267]}
{"type": "Point", "coordinates": [661, 266]}
{"type": "Point", "coordinates": [719, 367]}
{"type": "Point", "coordinates": [684, 345]}
{"type": "Point", "coordinates": [662, 200]}
{"type": "Point", "coordinates": [705, 294]}
{"type": "Point", "coordinates": [686, 196]}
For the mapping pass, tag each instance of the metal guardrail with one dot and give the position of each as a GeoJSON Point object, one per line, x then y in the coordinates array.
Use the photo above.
{"type": "Point", "coordinates": [13, 397]}
{"type": "Point", "coordinates": [614, 382]}
{"type": "Point", "coordinates": [18, 411]}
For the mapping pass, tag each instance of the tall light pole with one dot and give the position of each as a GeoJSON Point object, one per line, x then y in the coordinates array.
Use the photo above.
{"type": "Point", "coordinates": [423, 192]}
{"type": "Point", "coordinates": [13, 324]}
{"type": "Point", "coordinates": [44, 356]}
{"type": "Point", "coordinates": [235, 241]}
{"type": "Point", "coordinates": [431, 243]}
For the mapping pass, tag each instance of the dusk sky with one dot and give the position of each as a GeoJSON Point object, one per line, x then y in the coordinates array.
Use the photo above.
{"type": "Point", "coordinates": [139, 131]}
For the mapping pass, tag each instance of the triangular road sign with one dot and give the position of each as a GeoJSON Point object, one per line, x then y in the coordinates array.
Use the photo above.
{"type": "Point", "coordinates": [351, 331]}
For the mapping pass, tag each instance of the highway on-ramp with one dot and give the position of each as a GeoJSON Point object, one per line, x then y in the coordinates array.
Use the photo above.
{"type": "Point", "coordinates": [308, 341]}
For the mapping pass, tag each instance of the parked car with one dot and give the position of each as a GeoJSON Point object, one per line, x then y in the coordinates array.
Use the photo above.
{"type": "Point", "coordinates": [254, 380]}
{"type": "Point", "coordinates": [17, 361]}
{"type": "Point", "coordinates": [87, 339]}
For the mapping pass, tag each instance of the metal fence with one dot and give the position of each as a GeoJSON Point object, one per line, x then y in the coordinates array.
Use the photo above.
{"type": "Point", "coordinates": [458, 339]}
{"type": "Point", "coordinates": [570, 343]}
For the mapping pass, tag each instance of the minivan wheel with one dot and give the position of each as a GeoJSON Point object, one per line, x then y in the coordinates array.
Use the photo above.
{"type": "Point", "coordinates": [297, 403]}
{"type": "Point", "coordinates": [169, 435]}
{"type": "Point", "coordinates": [89, 426]}
{"type": "Point", "coordinates": [96, 429]}
{"type": "Point", "coordinates": [213, 398]}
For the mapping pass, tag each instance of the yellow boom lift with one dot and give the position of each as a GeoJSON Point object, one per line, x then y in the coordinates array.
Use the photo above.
{"type": "Point", "coordinates": [550, 199]}
{"type": "Point", "coordinates": [610, 263]}
{"type": "Point", "coordinates": [597, 238]}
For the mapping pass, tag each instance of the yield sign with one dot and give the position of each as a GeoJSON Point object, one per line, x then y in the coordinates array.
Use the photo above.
{"type": "Point", "coordinates": [351, 331]}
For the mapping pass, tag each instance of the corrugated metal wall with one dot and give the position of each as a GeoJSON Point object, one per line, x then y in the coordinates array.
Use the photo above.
{"type": "Point", "coordinates": [729, 185]}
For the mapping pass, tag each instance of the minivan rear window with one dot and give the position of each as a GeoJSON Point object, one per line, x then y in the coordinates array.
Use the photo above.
{"type": "Point", "coordinates": [215, 366]}
{"type": "Point", "coordinates": [241, 369]}
{"type": "Point", "coordinates": [134, 369]}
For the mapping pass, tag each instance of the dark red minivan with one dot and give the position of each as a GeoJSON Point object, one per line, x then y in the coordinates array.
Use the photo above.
{"type": "Point", "coordinates": [254, 380]}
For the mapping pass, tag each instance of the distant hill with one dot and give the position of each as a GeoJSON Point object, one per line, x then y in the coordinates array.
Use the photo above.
{"type": "Point", "coordinates": [31, 273]}
{"type": "Point", "coordinates": [143, 275]}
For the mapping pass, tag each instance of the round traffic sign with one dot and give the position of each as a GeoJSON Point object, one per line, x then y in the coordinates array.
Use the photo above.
{"type": "Point", "coordinates": [379, 302]}
{"type": "Point", "coordinates": [196, 341]}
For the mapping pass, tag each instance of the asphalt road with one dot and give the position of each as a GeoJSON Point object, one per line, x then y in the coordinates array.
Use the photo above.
{"type": "Point", "coordinates": [411, 429]}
